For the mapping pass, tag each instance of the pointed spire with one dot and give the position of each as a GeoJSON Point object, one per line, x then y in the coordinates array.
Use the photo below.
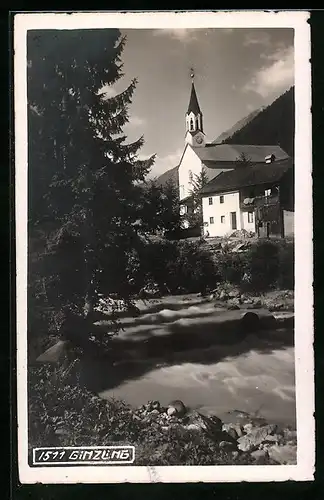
{"type": "Point", "coordinates": [193, 103]}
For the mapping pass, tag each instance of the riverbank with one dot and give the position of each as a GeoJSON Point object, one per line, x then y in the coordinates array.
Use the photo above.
{"type": "Point", "coordinates": [210, 373]}
{"type": "Point", "coordinates": [66, 415]}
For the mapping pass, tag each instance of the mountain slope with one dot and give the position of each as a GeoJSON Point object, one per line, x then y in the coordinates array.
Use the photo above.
{"type": "Point", "coordinates": [237, 126]}
{"type": "Point", "coordinates": [275, 124]}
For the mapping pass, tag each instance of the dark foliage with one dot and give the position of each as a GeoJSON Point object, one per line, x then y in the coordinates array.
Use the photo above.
{"type": "Point", "coordinates": [83, 175]}
{"type": "Point", "coordinates": [273, 125]}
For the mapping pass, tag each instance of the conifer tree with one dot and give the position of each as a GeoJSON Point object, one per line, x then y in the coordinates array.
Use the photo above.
{"type": "Point", "coordinates": [83, 197]}
{"type": "Point", "coordinates": [195, 215]}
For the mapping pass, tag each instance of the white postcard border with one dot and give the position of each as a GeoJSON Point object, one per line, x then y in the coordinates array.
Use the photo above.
{"type": "Point", "coordinates": [304, 470]}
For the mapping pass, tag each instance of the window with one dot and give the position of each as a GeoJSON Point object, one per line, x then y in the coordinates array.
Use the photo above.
{"type": "Point", "coordinates": [211, 220]}
{"type": "Point", "coordinates": [250, 217]}
{"type": "Point", "coordinates": [267, 192]}
{"type": "Point", "coordinates": [223, 219]}
{"type": "Point", "coordinates": [191, 124]}
{"type": "Point", "coordinates": [221, 199]}
{"type": "Point", "coordinates": [210, 201]}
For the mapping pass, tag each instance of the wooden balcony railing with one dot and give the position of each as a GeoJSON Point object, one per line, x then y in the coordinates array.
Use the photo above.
{"type": "Point", "coordinates": [259, 201]}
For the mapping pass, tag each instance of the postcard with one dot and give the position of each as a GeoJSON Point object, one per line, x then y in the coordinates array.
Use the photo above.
{"type": "Point", "coordinates": [163, 166]}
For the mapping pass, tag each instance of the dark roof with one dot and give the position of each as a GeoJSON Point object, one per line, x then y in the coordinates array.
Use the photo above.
{"type": "Point", "coordinates": [260, 173]}
{"type": "Point", "coordinates": [231, 152]}
{"type": "Point", "coordinates": [169, 176]}
{"type": "Point", "coordinates": [193, 103]}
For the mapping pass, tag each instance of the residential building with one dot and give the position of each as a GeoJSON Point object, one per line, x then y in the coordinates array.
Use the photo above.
{"type": "Point", "coordinates": [213, 158]}
{"type": "Point", "coordinates": [258, 198]}
{"type": "Point", "coordinates": [234, 173]}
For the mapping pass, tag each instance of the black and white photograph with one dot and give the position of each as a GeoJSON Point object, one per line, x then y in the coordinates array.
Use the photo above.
{"type": "Point", "coordinates": [164, 247]}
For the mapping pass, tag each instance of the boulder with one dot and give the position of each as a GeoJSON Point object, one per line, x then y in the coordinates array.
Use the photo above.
{"type": "Point", "coordinates": [232, 430]}
{"type": "Point", "coordinates": [233, 304]}
{"type": "Point", "coordinates": [255, 437]}
{"type": "Point", "coordinates": [260, 456]}
{"type": "Point", "coordinates": [211, 425]}
{"type": "Point", "coordinates": [227, 446]}
{"type": "Point", "coordinates": [290, 435]}
{"type": "Point", "coordinates": [284, 455]}
{"type": "Point", "coordinates": [240, 247]}
{"type": "Point", "coordinates": [248, 427]}
{"type": "Point", "coordinates": [176, 407]}
{"type": "Point", "coordinates": [250, 322]}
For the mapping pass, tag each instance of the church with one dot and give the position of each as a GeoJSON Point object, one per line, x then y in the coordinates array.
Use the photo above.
{"type": "Point", "coordinates": [266, 166]}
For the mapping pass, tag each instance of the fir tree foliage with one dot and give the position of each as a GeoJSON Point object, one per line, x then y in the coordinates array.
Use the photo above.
{"type": "Point", "coordinates": [83, 174]}
{"type": "Point", "coordinates": [197, 182]}
{"type": "Point", "coordinates": [160, 207]}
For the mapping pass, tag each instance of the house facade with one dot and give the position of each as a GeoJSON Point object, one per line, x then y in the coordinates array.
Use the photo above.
{"type": "Point", "coordinates": [257, 198]}
{"type": "Point", "coordinates": [223, 207]}
{"type": "Point", "coordinates": [213, 158]}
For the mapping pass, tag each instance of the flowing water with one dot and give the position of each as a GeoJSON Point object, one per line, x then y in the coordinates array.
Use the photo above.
{"type": "Point", "coordinates": [255, 374]}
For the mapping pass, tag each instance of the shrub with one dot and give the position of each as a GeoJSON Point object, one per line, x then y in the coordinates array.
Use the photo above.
{"type": "Point", "coordinates": [231, 267]}
{"type": "Point", "coordinates": [263, 265]}
{"type": "Point", "coordinates": [180, 265]}
{"type": "Point", "coordinates": [194, 269]}
{"type": "Point", "coordinates": [286, 278]}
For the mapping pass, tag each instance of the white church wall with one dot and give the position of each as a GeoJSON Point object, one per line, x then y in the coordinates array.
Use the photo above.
{"type": "Point", "coordinates": [189, 163]}
{"type": "Point", "coordinates": [217, 216]}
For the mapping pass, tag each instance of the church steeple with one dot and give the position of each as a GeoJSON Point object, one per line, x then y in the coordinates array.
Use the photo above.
{"type": "Point", "coordinates": [194, 119]}
{"type": "Point", "coordinates": [193, 103]}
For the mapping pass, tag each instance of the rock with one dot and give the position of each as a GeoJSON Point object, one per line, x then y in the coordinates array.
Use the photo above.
{"type": "Point", "coordinates": [235, 454]}
{"type": "Point", "coordinates": [257, 301]}
{"type": "Point", "coordinates": [193, 427]}
{"type": "Point", "coordinates": [155, 412]}
{"type": "Point", "coordinates": [226, 445]}
{"type": "Point", "coordinates": [230, 430]}
{"type": "Point", "coordinates": [273, 438]}
{"type": "Point", "coordinates": [259, 456]}
{"type": "Point", "coordinates": [284, 455]}
{"type": "Point", "coordinates": [239, 430]}
{"type": "Point", "coordinates": [255, 304]}
{"type": "Point", "coordinates": [248, 301]}
{"type": "Point", "coordinates": [234, 294]}
{"type": "Point", "coordinates": [233, 304]}
{"type": "Point", "coordinates": [210, 424]}
{"type": "Point", "coordinates": [176, 407]}
{"type": "Point", "coordinates": [290, 435]}
{"type": "Point", "coordinates": [276, 307]}
{"type": "Point", "coordinates": [255, 437]}
{"type": "Point", "coordinates": [223, 295]}
{"type": "Point", "coordinates": [250, 322]}
{"type": "Point", "coordinates": [240, 247]}
{"type": "Point", "coordinates": [248, 428]}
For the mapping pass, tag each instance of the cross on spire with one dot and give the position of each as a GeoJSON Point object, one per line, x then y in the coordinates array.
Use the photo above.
{"type": "Point", "coordinates": [192, 74]}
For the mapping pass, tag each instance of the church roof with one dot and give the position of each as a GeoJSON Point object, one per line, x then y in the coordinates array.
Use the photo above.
{"type": "Point", "coordinates": [231, 152]}
{"type": "Point", "coordinates": [193, 103]}
{"type": "Point", "coordinates": [254, 175]}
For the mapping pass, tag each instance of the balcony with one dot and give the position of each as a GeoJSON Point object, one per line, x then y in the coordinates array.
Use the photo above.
{"type": "Point", "coordinates": [257, 201]}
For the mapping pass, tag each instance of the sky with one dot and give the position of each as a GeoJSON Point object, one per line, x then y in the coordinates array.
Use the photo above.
{"type": "Point", "coordinates": [236, 71]}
